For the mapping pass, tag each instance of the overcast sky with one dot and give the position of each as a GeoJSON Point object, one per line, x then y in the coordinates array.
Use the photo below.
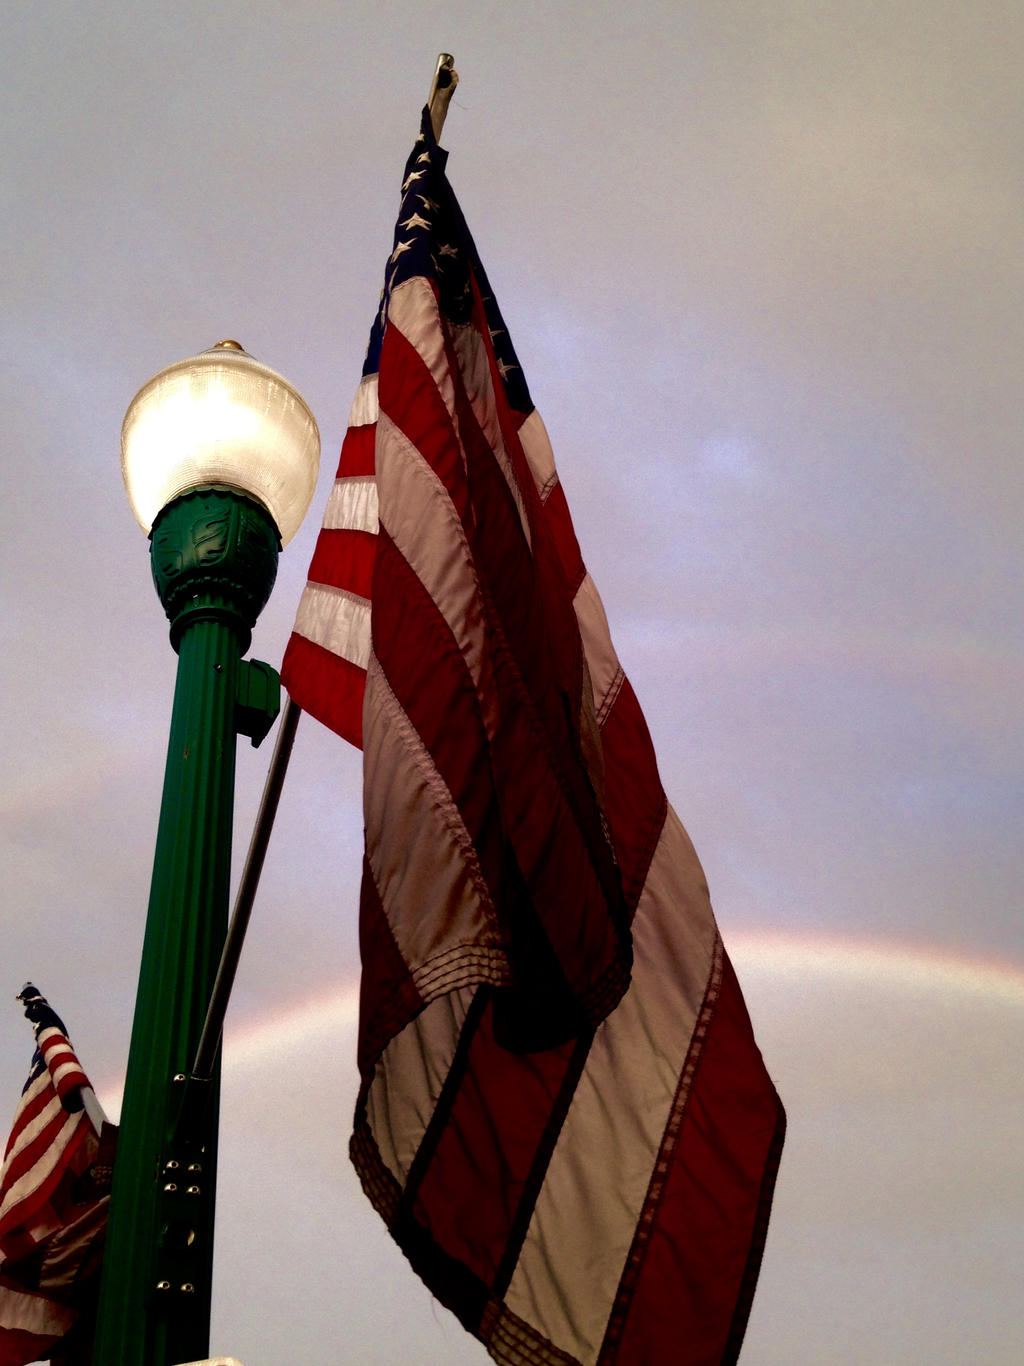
{"type": "Point", "coordinates": [764, 266]}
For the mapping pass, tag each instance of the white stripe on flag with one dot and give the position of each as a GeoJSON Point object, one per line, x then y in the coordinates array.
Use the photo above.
{"type": "Point", "coordinates": [24, 1311]}
{"type": "Point", "coordinates": [364, 405]}
{"type": "Point", "coordinates": [337, 620]}
{"type": "Point", "coordinates": [620, 1109]}
{"type": "Point", "coordinates": [416, 1061]}
{"type": "Point", "coordinates": [605, 671]}
{"type": "Point", "coordinates": [428, 845]}
{"type": "Point", "coordinates": [352, 505]}
{"type": "Point", "coordinates": [533, 437]}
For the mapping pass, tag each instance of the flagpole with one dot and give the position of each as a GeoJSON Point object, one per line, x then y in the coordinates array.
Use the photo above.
{"type": "Point", "coordinates": [442, 88]}
{"type": "Point", "coordinates": [206, 1053]}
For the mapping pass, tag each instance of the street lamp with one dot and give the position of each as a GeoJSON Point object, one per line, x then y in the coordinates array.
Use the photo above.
{"type": "Point", "coordinates": [220, 458]}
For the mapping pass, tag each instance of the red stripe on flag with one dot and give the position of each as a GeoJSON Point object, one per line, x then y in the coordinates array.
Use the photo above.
{"type": "Point", "coordinates": [325, 685]}
{"type": "Point", "coordinates": [409, 397]}
{"type": "Point", "coordinates": [635, 801]}
{"type": "Point", "coordinates": [18, 1345]}
{"type": "Point", "coordinates": [344, 559]}
{"type": "Point", "coordinates": [357, 451]}
{"type": "Point", "coordinates": [498, 1122]}
{"type": "Point", "coordinates": [556, 510]}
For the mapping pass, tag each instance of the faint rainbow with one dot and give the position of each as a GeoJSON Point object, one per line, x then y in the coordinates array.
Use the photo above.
{"type": "Point", "coordinates": [891, 961]}
{"type": "Point", "coordinates": [758, 955]}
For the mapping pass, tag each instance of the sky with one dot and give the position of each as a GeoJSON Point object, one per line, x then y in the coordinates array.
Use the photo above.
{"type": "Point", "coordinates": [764, 269]}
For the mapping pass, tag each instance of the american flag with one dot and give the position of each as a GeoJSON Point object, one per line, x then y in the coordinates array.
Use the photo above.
{"type": "Point", "coordinates": [580, 1166]}
{"type": "Point", "coordinates": [52, 1196]}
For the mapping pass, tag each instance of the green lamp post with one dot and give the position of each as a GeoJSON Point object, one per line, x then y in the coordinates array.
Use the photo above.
{"type": "Point", "coordinates": [220, 458]}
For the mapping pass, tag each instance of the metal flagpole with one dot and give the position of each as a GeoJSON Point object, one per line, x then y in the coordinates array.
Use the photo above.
{"type": "Point", "coordinates": [206, 1053]}
{"type": "Point", "coordinates": [442, 88]}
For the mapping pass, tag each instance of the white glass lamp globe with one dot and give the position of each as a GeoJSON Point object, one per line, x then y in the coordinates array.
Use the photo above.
{"type": "Point", "coordinates": [221, 419]}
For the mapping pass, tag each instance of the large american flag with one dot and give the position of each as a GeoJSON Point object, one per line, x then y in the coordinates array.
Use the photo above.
{"type": "Point", "coordinates": [53, 1198]}
{"type": "Point", "coordinates": [563, 1116]}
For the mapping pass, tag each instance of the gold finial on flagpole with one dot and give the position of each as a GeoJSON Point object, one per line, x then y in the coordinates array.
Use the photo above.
{"type": "Point", "coordinates": [442, 88]}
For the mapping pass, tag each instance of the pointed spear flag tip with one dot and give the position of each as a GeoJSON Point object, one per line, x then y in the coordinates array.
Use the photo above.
{"type": "Point", "coordinates": [442, 88]}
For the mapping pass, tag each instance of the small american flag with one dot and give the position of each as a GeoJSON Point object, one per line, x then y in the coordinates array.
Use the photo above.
{"type": "Point", "coordinates": [53, 1196]}
{"type": "Point", "coordinates": [563, 1116]}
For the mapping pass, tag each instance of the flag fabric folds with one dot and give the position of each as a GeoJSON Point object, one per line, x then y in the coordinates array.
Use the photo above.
{"type": "Point", "coordinates": [54, 1193]}
{"type": "Point", "coordinates": [563, 1116]}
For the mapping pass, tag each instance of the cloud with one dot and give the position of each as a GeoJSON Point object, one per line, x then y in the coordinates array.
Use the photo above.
{"type": "Point", "coordinates": [898, 1186]}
